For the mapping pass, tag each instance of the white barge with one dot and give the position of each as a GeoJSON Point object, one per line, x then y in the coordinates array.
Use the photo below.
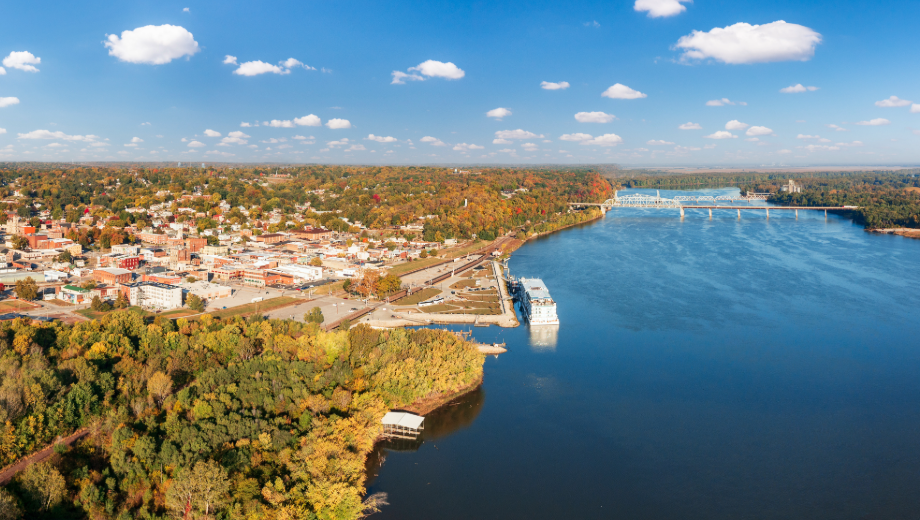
{"type": "Point", "coordinates": [536, 303]}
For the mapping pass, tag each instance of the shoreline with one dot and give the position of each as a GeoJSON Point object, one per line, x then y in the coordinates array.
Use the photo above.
{"type": "Point", "coordinates": [904, 232]}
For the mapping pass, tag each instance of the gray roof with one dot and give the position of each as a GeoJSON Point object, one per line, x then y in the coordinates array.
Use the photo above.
{"type": "Point", "coordinates": [535, 288]}
{"type": "Point", "coordinates": [403, 419]}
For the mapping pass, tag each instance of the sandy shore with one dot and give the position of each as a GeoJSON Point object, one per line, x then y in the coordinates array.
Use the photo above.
{"type": "Point", "coordinates": [904, 232]}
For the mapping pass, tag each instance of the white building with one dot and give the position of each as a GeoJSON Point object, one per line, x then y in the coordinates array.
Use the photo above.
{"type": "Point", "coordinates": [154, 295]}
{"type": "Point", "coordinates": [300, 273]}
{"type": "Point", "coordinates": [205, 290]}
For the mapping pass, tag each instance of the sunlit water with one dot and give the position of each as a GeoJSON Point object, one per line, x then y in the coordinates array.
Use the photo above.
{"type": "Point", "coordinates": [704, 369]}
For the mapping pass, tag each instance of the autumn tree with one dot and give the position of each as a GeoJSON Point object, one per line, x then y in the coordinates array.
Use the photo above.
{"type": "Point", "coordinates": [43, 486]}
{"type": "Point", "coordinates": [316, 261]}
{"type": "Point", "coordinates": [20, 242]}
{"type": "Point", "coordinates": [121, 302]}
{"type": "Point", "coordinates": [314, 316]}
{"type": "Point", "coordinates": [202, 489]}
{"type": "Point", "coordinates": [159, 386]}
{"type": "Point", "coordinates": [27, 289]}
{"type": "Point", "coordinates": [195, 302]}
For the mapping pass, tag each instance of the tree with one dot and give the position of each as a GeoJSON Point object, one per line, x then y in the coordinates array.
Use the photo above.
{"type": "Point", "coordinates": [88, 285]}
{"type": "Point", "coordinates": [27, 289]}
{"type": "Point", "coordinates": [314, 316]}
{"type": "Point", "coordinates": [191, 279]}
{"type": "Point", "coordinates": [9, 506]}
{"type": "Point", "coordinates": [43, 485]}
{"type": "Point", "coordinates": [20, 242]}
{"type": "Point", "coordinates": [121, 302]}
{"type": "Point", "coordinates": [99, 305]}
{"type": "Point", "coordinates": [159, 386]}
{"type": "Point", "coordinates": [213, 240]}
{"type": "Point", "coordinates": [389, 284]}
{"type": "Point", "coordinates": [316, 261]}
{"type": "Point", "coordinates": [65, 257]}
{"type": "Point", "coordinates": [423, 254]}
{"type": "Point", "coordinates": [203, 488]}
{"type": "Point", "coordinates": [195, 302]}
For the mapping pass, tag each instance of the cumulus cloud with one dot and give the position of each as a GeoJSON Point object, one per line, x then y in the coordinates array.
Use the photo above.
{"type": "Point", "coordinates": [254, 68]}
{"type": "Point", "coordinates": [308, 120]}
{"type": "Point", "coordinates": [915, 108]}
{"type": "Point", "coordinates": [880, 121]}
{"type": "Point", "coordinates": [463, 147]}
{"type": "Point", "coordinates": [797, 88]}
{"type": "Point", "coordinates": [548, 85]}
{"type": "Point", "coordinates": [236, 137]}
{"type": "Point", "coordinates": [659, 142]}
{"type": "Point", "coordinates": [620, 91]}
{"type": "Point", "coordinates": [837, 128]}
{"type": "Point", "coordinates": [428, 69]}
{"type": "Point", "coordinates": [229, 60]}
{"type": "Point", "coordinates": [594, 117]}
{"type": "Point", "coordinates": [500, 141]}
{"type": "Point", "coordinates": [604, 140]}
{"type": "Point", "coordinates": [380, 138]}
{"type": "Point", "coordinates": [137, 140]}
{"type": "Point", "coordinates": [721, 134]}
{"type": "Point", "coordinates": [22, 60]}
{"type": "Point", "coordinates": [245, 125]}
{"type": "Point", "coordinates": [805, 136]}
{"type": "Point", "coordinates": [152, 44]}
{"type": "Point", "coordinates": [211, 133]}
{"type": "Point", "coordinates": [734, 124]}
{"type": "Point", "coordinates": [280, 123]}
{"type": "Point", "coordinates": [690, 126]}
{"type": "Point", "coordinates": [353, 148]}
{"type": "Point", "coordinates": [498, 113]}
{"type": "Point", "coordinates": [660, 8]}
{"type": "Point", "coordinates": [338, 124]}
{"type": "Point", "coordinates": [723, 102]}
{"type": "Point", "coordinates": [47, 134]}
{"type": "Point", "coordinates": [820, 148]}
{"type": "Point", "coordinates": [758, 130]}
{"type": "Point", "coordinates": [516, 134]}
{"type": "Point", "coordinates": [196, 144]}
{"type": "Point", "coordinates": [8, 101]}
{"type": "Point", "coordinates": [530, 147]}
{"type": "Point", "coordinates": [434, 141]}
{"type": "Point", "coordinates": [892, 102]}
{"type": "Point", "coordinates": [290, 63]}
{"type": "Point", "coordinates": [745, 43]}
{"type": "Point", "coordinates": [576, 137]}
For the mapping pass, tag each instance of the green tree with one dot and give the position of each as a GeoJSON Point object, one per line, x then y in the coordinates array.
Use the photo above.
{"type": "Point", "coordinates": [27, 289]}
{"type": "Point", "coordinates": [195, 302]}
{"type": "Point", "coordinates": [159, 386]}
{"type": "Point", "coordinates": [99, 305]}
{"type": "Point", "coordinates": [202, 489]}
{"type": "Point", "coordinates": [43, 486]}
{"type": "Point", "coordinates": [389, 284]}
{"type": "Point", "coordinates": [20, 242]}
{"type": "Point", "coordinates": [65, 257]}
{"type": "Point", "coordinates": [9, 506]}
{"type": "Point", "coordinates": [213, 240]}
{"type": "Point", "coordinates": [121, 302]}
{"type": "Point", "coordinates": [316, 261]}
{"type": "Point", "coordinates": [191, 279]}
{"type": "Point", "coordinates": [314, 316]}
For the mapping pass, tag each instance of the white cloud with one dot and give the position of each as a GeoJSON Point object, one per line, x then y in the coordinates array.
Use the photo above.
{"type": "Point", "coordinates": [129, 145]}
{"type": "Point", "coordinates": [229, 60]}
{"type": "Point", "coordinates": [152, 45]}
{"type": "Point", "coordinates": [734, 124]}
{"type": "Point", "coordinates": [517, 134]}
{"type": "Point", "coordinates": [428, 69]}
{"type": "Point", "coordinates": [498, 113]}
{"type": "Point", "coordinates": [752, 139]}
{"type": "Point", "coordinates": [620, 91]}
{"type": "Point", "coordinates": [594, 23]}
{"type": "Point", "coordinates": [47, 134]}
{"type": "Point", "coordinates": [659, 142]}
{"type": "Point", "coordinates": [784, 151]}
{"type": "Point", "coordinates": [746, 43]}
{"type": "Point", "coordinates": [340, 142]}
{"type": "Point", "coordinates": [530, 147]}
{"type": "Point", "coordinates": [8, 101]}
{"type": "Point", "coordinates": [690, 126]}
{"type": "Point", "coordinates": [137, 140]}
{"type": "Point", "coordinates": [722, 102]}
{"type": "Point", "coordinates": [238, 135]}
{"type": "Point", "coordinates": [338, 124]}
{"type": "Point", "coordinates": [3, 131]}
{"type": "Point", "coordinates": [185, 9]}
{"type": "Point", "coordinates": [892, 102]}
{"type": "Point", "coordinates": [211, 133]}
{"type": "Point", "coordinates": [548, 85]}
{"type": "Point", "coordinates": [915, 108]}
{"type": "Point", "coordinates": [837, 128]}
{"type": "Point", "coordinates": [759, 130]}
{"type": "Point", "coordinates": [380, 138]}
{"type": "Point", "coordinates": [290, 63]}
{"type": "Point", "coordinates": [196, 144]}
{"type": "Point", "coordinates": [308, 120]}
{"type": "Point", "coordinates": [594, 117]}
{"type": "Point", "coordinates": [797, 88]}
{"type": "Point", "coordinates": [880, 121]}
{"type": "Point", "coordinates": [604, 140]}
{"type": "Point", "coordinates": [254, 68]}
{"type": "Point", "coordinates": [22, 60]}
{"type": "Point", "coordinates": [278, 123]}
{"type": "Point", "coordinates": [353, 148]}
{"type": "Point", "coordinates": [500, 141]}
{"type": "Point", "coordinates": [235, 137]}
{"type": "Point", "coordinates": [433, 140]}
{"type": "Point", "coordinates": [721, 134]}
{"type": "Point", "coordinates": [851, 144]}
{"type": "Point", "coordinates": [805, 136]}
{"type": "Point", "coordinates": [218, 152]}
{"type": "Point", "coordinates": [463, 147]}
{"type": "Point", "coordinates": [821, 148]}
{"type": "Point", "coordinates": [660, 8]}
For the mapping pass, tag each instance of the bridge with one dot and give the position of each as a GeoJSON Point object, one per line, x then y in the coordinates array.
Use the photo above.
{"type": "Point", "coordinates": [637, 200]}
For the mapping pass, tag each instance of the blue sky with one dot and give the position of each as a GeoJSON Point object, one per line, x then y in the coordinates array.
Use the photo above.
{"type": "Point", "coordinates": [84, 80]}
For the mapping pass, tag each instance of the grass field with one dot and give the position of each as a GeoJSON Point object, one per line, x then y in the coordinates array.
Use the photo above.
{"type": "Point", "coordinates": [95, 315]}
{"type": "Point", "coordinates": [445, 254]}
{"type": "Point", "coordinates": [437, 308]}
{"type": "Point", "coordinates": [463, 284]}
{"type": "Point", "coordinates": [263, 306]}
{"type": "Point", "coordinates": [16, 306]}
{"type": "Point", "coordinates": [59, 303]}
{"type": "Point", "coordinates": [415, 298]}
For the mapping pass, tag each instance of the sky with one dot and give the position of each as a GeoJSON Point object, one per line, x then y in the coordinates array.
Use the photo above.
{"type": "Point", "coordinates": [633, 82]}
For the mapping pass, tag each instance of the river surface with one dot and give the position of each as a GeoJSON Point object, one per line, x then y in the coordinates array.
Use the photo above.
{"type": "Point", "coordinates": [703, 369]}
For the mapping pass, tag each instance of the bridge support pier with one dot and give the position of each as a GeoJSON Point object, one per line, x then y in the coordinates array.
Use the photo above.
{"type": "Point", "coordinates": [825, 214]}
{"type": "Point", "coordinates": [739, 214]}
{"type": "Point", "coordinates": [681, 212]}
{"type": "Point", "coordinates": [768, 214]}
{"type": "Point", "coordinates": [796, 214]}
{"type": "Point", "coordinates": [710, 213]}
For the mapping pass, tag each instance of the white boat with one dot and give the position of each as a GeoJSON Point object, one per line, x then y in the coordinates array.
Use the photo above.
{"type": "Point", "coordinates": [536, 303]}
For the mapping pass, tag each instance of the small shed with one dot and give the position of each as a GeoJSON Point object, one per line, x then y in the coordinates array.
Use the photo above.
{"type": "Point", "coordinates": [402, 425]}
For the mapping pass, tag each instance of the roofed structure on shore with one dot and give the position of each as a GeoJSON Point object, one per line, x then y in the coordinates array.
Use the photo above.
{"type": "Point", "coordinates": [402, 425]}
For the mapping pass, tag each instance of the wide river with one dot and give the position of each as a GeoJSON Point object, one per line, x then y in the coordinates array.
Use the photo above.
{"type": "Point", "coordinates": [703, 369]}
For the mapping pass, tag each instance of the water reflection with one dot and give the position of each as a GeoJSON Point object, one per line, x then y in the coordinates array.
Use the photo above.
{"type": "Point", "coordinates": [454, 416]}
{"type": "Point", "coordinates": [543, 338]}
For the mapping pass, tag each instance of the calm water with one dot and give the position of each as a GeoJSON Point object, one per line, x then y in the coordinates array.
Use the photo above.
{"type": "Point", "coordinates": [703, 370]}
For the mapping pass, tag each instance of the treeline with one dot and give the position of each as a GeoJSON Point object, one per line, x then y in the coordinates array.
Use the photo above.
{"type": "Point", "coordinates": [208, 419]}
{"type": "Point", "coordinates": [745, 180]}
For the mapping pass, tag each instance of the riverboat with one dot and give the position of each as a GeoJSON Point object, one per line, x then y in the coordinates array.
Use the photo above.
{"type": "Point", "coordinates": [536, 303]}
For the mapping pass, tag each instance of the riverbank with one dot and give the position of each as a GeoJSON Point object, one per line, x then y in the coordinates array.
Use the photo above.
{"type": "Point", "coordinates": [904, 232]}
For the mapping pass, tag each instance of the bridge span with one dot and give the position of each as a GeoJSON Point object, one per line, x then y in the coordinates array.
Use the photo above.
{"type": "Point", "coordinates": [657, 202]}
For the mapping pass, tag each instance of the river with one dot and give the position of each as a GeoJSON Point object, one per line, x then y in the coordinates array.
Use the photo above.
{"type": "Point", "coordinates": [703, 369]}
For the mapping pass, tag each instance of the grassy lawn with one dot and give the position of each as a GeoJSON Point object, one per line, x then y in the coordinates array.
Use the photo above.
{"type": "Point", "coordinates": [263, 306]}
{"type": "Point", "coordinates": [95, 315]}
{"type": "Point", "coordinates": [16, 305]}
{"type": "Point", "coordinates": [481, 312]}
{"type": "Point", "coordinates": [463, 284]}
{"type": "Point", "coordinates": [328, 288]}
{"type": "Point", "coordinates": [176, 313]}
{"type": "Point", "coordinates": [437, 308]}
{"type": "Point", "coordinates": [444, 254]}
{"type": "Point", "coordinates": [420, 296]}
{"type": "Point", "coordinates": [59, 303]}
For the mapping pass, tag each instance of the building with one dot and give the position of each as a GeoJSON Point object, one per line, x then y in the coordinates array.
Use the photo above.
{"type": "Point", "coordinates": [312, 234]}
{"type": "Point", "coordinates": [73, 294]}
{"type": "Point", "coordinates": [206, 290]}
{"type": "Point", "coordinates": [195, 244]}
{"type": "Point", "coordinates": [791, 187]}
{"type": "Point", "coordinates": [127, 261]}
{"type": "Point", "coordinates": [152, 238]}
{"type": "Point", "coordinates": [270, 238]}
{"type": "Point", "coordinates": [298, 274]}
{"type": "Point", "coordinates": [125, 249]}
{"type": "Point", "coordinates": [153, 295]}
{"type": "Point", "coordinates": [260, 278]}
{"type": "Point", "coordinates": [215, 250]}
{"type": "Point", "coordinates": [112, 275]}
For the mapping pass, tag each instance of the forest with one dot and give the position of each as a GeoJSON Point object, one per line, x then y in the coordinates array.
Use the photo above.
{"type": "Point", "coordinates": [230, 419]}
